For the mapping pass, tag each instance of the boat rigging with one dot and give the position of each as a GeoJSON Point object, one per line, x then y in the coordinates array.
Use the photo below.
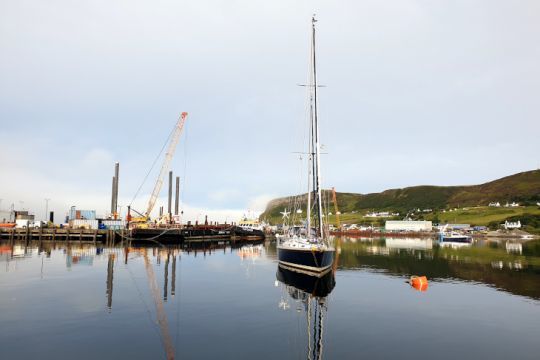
{"type": "Point", "coordinates": [311, 252]}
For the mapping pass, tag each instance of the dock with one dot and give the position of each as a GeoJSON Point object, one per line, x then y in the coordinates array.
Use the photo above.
{"type": "Point", "coordinates": [162, 235]}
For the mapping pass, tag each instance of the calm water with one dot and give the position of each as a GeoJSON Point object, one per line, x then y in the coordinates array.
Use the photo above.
{"type": "Point", "coordinates": [81, 302]}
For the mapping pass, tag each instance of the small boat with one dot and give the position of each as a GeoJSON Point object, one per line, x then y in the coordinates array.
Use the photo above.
{"type": "Point", "coordinates": [250, 224]}
{"type": "Point", "coordinates": [310, 249]}
{"type": "Point", "coordinates": [453, 236]}
{"type": "Point", "coordinates": [250, 228]}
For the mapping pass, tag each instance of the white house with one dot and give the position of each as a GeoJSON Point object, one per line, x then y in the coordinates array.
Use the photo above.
{"type": "Point", "coordinates": [495, 204]}
{"type": "Point", "coordinates": [512, 225]}
{"type": "Point", "coordinates": [408, 225]}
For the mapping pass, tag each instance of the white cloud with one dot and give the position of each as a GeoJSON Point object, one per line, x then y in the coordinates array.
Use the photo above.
{"type": "Point", "coordinates": [96, 159]}
{"type": "Point", "coordinates": [224, 195]}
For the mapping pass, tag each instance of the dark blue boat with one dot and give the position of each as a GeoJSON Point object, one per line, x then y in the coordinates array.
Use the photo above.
{"type": "Point", "coordinates": [301, 255]}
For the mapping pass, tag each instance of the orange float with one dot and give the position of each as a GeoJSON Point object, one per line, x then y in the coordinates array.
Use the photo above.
{"type": "Point", "coordinates": [420, 283]}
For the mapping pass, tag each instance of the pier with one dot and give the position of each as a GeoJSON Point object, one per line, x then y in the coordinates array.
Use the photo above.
{"type": "Point", "coordinates": [163, 235]}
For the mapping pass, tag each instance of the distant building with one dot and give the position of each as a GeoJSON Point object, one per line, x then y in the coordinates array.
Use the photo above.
{"type": "Point", "coordinates": [408, 226]}
{"type": "Point", "coordinates": [381, 214]}
{"type": "Point", "coordinates": [513, 204]}
{"type": "Point", "coordinates": [459, 226]}
{"type": "Point", "coordinates": [12, 215]}
{"type": "Point", "coordinates": [512, 225]}
{"type": "Point", "coordinates": [75, 214]}
{"type": "Point", "coordinates": [495, 204]}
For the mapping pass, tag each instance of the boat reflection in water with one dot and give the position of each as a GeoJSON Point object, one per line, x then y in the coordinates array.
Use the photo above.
{"type": "Point", "coordinates": [311, 290]}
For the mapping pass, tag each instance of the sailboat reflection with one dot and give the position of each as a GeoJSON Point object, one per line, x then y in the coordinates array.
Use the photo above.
{"type": "Point", "coordinates": [312, 292]}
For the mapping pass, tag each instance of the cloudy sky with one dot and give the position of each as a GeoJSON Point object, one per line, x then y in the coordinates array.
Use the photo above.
{"type": "Point", "coordinates": [417, 92]}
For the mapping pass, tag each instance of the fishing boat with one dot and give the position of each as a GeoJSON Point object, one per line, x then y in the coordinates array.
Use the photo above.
{"type": "Point", "coordinates": [310, 250]}
{"type": "Point", "coordinates": [453, 236]}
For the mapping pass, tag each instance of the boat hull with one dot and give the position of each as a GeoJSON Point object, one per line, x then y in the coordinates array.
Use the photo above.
{"type": "Point", "coordinates": [306, 259]}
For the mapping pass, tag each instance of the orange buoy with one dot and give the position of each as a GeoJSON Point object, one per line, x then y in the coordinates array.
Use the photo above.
{"type": "Point", "coordinates": [420, 283]}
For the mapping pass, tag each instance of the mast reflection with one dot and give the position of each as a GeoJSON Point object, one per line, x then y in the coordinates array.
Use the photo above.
{"type": "Point", "coordinates": [311, 290]}
{"type": "Point", "coordinates": [173, 280]}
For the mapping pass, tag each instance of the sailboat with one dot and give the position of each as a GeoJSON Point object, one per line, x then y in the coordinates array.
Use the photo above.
{"type": "Point", "coordinates": [310, 250]}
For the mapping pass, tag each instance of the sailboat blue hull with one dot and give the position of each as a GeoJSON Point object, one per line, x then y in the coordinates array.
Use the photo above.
{"type": "Point", "coordinates": [305, 259]}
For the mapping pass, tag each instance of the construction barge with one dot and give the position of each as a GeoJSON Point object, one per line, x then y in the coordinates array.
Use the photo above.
{"type": "Point", "coordinates": [174, 235]}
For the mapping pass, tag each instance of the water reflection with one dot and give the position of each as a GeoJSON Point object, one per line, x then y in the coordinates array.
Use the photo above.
{"type": "Point", "coordinates": [508, 265]}
{"type": "Point", "coordinates": [309, 291]}
{"type": "Point", "coordinates": [110, 270]}
{"type": "Point", "coordinates": [175, 301]}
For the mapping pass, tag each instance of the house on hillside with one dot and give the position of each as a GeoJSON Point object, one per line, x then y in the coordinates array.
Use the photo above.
{"type": "Point", "coordinates": [513, 204]}
{"type": "Point", "coordinates": [508, 225]}
{"type": "Point", "coordinates": [495, 204]}
{"type": "Point", "coordinates": [408, 226]}
{"type": "Point", "coordinates": [382, 214]}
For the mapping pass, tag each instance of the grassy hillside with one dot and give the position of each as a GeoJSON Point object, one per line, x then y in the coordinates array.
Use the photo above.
{"type": "Point", "coordinates": [522, 187]}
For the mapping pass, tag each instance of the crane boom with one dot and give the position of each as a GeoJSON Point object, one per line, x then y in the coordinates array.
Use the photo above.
{"type": "Point", "coordinates": [166, 162]}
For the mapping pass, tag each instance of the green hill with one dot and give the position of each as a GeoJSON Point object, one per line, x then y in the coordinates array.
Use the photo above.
{"type": "Point", "coordinates": [523, 188]}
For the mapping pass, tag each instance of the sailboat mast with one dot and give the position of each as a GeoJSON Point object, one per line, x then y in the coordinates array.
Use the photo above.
{"type": "Point", "coordinates": [310, 160]}
{"type": "Point", "coordinates": [317, 183]}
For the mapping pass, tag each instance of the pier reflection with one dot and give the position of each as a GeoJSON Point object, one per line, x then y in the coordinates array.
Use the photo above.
{"type": "Point", "coordinates": [309, 292]}
{"type": "Point", "coordinates": [110, 275]}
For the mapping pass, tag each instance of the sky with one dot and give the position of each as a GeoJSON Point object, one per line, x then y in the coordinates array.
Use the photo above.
{"type": "Point", "coordinates": [417, 92]}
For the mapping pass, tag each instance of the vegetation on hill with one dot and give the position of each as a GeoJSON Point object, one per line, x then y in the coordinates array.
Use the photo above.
{"type": "Point", "coordinates": [523, 188]}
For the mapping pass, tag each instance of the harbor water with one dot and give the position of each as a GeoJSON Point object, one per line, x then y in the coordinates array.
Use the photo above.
{"type": "Point", "coordinates": [87, 302]}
